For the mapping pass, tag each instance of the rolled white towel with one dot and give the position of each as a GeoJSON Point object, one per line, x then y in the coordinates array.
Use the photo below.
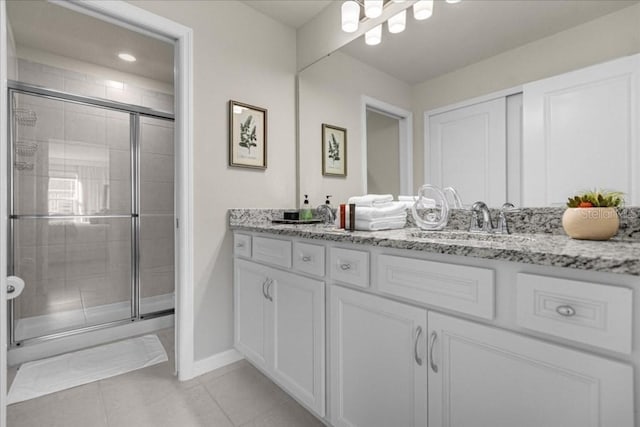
{"type": "Point", "coordinates": [384, 224]}
{"type": "Point", "coordinates": [371, 200]}
{"type": "Point", "coordinates": [388, 210]}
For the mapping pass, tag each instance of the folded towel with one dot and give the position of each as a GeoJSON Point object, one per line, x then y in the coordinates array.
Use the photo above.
{"type": "Point", "coordinates": [407, 198]}
{"type": "Point", "coordinates": [371, 200]}
{"type": "Point", "coordinates": [390, 209]}
{"type": "Point", "coordinates": [380, 225]}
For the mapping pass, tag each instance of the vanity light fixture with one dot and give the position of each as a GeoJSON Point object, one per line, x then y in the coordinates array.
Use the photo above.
{"type": "Point", "coordinates": [398, 22]}
{"type": "Point", "coordinates": [373, 36]}
{"type": "Point", "coordinates": [350, 16]}
{"type": "Point", "coordinates": [372, 8]}
{"type": "Point", "coordinates": [422, 9]}
{"type": "Point", "coordinates": [127, 57]}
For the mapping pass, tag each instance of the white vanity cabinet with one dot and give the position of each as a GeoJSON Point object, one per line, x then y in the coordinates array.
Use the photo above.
{"type": "Point", "coordinates": [279, 326]}
{"type": "Point", "coordinates": [419, 339]}
{"type": "Point", "coordinates": [482, 376]}
{"type": "Point", "coordinates": [378, 361]}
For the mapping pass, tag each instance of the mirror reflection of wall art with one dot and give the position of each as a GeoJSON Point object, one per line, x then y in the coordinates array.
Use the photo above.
{"type": "Point", "coordinates": [247, 136]}
{"type": "Point", "coordinates": [334, 150]}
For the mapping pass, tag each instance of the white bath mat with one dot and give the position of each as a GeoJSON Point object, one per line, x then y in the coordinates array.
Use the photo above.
{"type": "Point", "coordinates": [69, 370]}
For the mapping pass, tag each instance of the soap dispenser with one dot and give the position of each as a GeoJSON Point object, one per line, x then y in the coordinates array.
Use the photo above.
{"type": "Point", "coordinates": [305, 209]}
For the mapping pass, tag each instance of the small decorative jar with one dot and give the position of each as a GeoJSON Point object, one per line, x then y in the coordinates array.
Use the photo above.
{"type": "Point", "coordinates": [591, 223]}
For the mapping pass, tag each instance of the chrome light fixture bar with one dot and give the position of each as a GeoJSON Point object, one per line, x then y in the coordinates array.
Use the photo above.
{"type": "Point", "coordinates": [351, 9]}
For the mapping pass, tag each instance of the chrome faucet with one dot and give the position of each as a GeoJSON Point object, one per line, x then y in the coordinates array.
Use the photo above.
{"type": "Point", "coordinates": [503, 225]}
{"type": "Point", "coordinates": [327, 213]}
{"type": "Point", "coordinates": [477, 224]}
{"type": "Point", "coordinates": [485, 225]}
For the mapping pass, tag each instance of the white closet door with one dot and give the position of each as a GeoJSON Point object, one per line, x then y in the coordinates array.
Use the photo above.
{"type": "Point", "coordinates": [581, 132]}
{"type": "Point", "coordinates": [467, 150]}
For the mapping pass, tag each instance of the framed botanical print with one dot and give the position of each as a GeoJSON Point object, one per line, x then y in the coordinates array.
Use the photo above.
{"type": "Point", "coordinates": [247, 136]}
{"type": "Point", "coordinates": [334, 150]}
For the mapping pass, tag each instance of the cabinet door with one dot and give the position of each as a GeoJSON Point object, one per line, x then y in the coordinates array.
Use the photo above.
{"type": "Point", "coordinates": [378, 365]}
{"type": "Point", "coordinates": [581, 132]}
{"type": "Point", "coordinates": [488, 377]}
{"type": "Point", "coordinates": [467, 149]}
{"type": "Point", "coordinates": [251, 311]}
{"type": "Point", "coordinates": [298, 337]}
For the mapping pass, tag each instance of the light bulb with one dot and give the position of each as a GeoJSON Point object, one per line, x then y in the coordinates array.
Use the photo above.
{"type": "Point", "coordinates": [397, 22]}
{"type": "Point", "coordinates": [372, 8]}
{"type": "Point", "coordinates": [373, 36]}
{"type": "Point", "coordinates": [350, 16]}
{"type": "Point", "coordinates": [423, 9]}
{"type": "Point", "coordinates": [453, 1]}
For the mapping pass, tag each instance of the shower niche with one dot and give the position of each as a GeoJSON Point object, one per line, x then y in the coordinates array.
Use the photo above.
{"type": "Point", "coordinates": [91, 213]}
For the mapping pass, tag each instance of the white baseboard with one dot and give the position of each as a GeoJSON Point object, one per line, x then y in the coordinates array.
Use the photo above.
{"type": "Point", "coordinates": [216, 361]}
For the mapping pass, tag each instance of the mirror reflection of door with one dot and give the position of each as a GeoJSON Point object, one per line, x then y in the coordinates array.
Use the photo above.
{"type": "Point", "coordinates": [383, 154]}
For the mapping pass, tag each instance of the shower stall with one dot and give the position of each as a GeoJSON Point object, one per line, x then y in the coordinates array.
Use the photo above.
{"type": "Point", "coordinates": [91, 221]}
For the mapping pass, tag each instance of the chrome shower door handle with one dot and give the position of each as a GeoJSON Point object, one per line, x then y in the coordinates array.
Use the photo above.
{"type": "Point", "coordinates": [432, 342]}
{"type": "Point", "coordinates": [415, 346]}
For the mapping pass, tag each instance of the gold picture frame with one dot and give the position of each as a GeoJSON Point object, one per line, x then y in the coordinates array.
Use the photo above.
{"type": "Point", "coordinates": [334, 150]}
{"type": "Point", "coordinates": [247, 136]}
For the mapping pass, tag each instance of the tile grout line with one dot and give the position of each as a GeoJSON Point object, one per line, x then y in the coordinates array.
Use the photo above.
{"type": "Point", "coordinates": [216, 402]}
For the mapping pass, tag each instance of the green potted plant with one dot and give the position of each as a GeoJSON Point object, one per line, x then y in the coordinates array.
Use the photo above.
{"type": "Point", "coordinates": [593, 215]}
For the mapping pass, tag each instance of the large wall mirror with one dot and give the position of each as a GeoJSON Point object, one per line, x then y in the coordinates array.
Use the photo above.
{"type": "Point", "coordinates": [478, 97]}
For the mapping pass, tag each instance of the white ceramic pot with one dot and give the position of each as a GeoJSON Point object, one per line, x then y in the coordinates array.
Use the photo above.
{"type": "Point", "coordinates": [591, 223]}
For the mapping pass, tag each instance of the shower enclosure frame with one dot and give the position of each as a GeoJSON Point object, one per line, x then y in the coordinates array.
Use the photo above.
{"type": "Point", "coordinates": [135, 113]}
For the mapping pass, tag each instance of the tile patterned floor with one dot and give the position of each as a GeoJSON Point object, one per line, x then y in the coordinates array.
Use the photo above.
{"type": "Point", "coordinates": [237, 395]}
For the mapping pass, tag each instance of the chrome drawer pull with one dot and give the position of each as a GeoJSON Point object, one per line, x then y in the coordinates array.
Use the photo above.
{"type": "Point", "coordinates": [240, 245]}
{"type": "Point", "coordinates": [306, 258]}
{"type": "Point", "coordinates": [432, 342]}
{"type": "Point", "coordinates": [345, 266]}
{"type": "Point", "coordinates": [565, 310]}
{"type": "Point", "coordinates": [264, 292]}
{"type": "Point", "coordinates": [415, 346]}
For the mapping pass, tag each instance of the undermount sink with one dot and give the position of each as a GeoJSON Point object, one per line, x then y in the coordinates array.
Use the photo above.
{"type": "Point", "coordinates": [464, 235]}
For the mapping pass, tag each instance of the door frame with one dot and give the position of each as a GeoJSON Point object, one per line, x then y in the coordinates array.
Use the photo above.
{"type": "Point", "coordinates": [405, 140]}
{"type": "Point", "coordinates": [123, 14]}
{"type": "Point", "coordinates": [4, 212]}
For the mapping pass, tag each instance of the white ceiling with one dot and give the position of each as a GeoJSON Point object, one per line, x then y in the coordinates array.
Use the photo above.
{"type": "Point", "coordinates": [472, 30]}
{"type": "Point", "coordinates": [294, 13]}
{"type": "Point", "coordinates": [44, 26]}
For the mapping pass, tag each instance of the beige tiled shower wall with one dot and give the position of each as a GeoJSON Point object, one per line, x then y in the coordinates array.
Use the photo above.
{"type": "Point", "coordinates": [75, 265]}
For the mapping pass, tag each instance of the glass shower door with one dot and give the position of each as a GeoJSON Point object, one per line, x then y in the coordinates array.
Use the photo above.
{"type": "Point", "coordinates": [71, 215]}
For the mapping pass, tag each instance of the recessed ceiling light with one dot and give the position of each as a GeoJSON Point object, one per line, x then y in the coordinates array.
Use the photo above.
{"type": "Point", "coordinates": [127, 57]}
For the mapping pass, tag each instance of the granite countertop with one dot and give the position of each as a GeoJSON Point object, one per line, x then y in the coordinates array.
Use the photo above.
{"type": "Point", "coordinates": [618, 255]}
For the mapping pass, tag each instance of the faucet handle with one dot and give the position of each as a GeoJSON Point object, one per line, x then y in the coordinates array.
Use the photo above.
{"type": "Point", "coordinates": [509, 207]}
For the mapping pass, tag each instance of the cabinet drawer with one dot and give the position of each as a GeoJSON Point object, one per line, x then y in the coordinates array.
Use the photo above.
{"type": "Point", "coordinates": [350, 266]}
{"type": "Point", "coordinates": [272, 251]}
{"type": "Point", "coordinates": [242, 245]}
{"type": "Point", "coordinates": [308, 258]}
{"type": "Point", "coordinates": [591, 313]}
{"type": "Point", "coordinates": [468, 290]}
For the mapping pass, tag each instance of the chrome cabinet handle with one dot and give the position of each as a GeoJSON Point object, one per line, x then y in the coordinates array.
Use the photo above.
{"type": "Point", "coordinates": [305, 258]}
{"type": "Point", "coordinates": [269, 297]}
{"type": "Point", "coordinates": [565, 310]}
{"type": "Point", "coordinates": [264, 284]}
{"type": "Point", "coordinates": [415, 346]}
{"type": "Point", "coordinates": [240, 245]}
{"type": "Point", "coordinates": [432, 341]}
{"type": "Point", "coordinates": [345, 266]}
